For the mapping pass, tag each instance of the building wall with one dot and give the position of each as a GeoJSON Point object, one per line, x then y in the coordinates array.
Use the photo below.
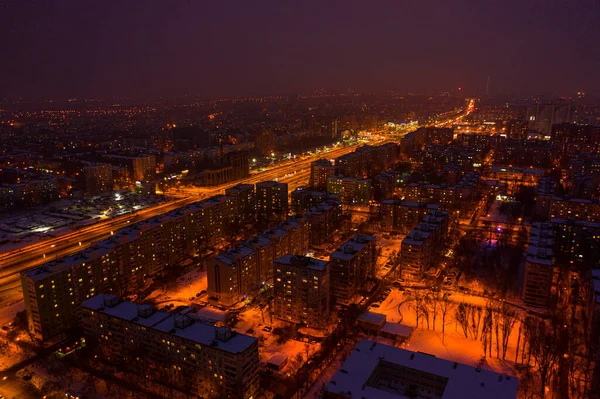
{"type": "Point", "coordinates": [170, 358]}
{"type": "Point", "coordinates": [301, 292]}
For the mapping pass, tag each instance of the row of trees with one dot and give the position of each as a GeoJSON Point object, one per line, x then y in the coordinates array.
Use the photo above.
{"type": "Point", "coordinates": [542, 346]}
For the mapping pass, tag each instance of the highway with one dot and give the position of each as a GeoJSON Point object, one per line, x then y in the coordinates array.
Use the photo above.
{"type": "Point", "coordinates": [14, 262]}
{"type": "Point", "coordinates": [294, 173]}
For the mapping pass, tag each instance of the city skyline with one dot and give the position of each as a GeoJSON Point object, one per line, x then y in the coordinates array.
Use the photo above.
{"type": "Point", "coordinates": [69, 50]}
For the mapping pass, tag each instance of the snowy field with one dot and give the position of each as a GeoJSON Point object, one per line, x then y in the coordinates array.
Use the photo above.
{"type": "Point", "coordinates": [182, 290]}
{"type": "Point", "coordinates": [399, 308]}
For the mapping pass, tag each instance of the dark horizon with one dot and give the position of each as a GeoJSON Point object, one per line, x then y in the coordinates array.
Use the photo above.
{"type": "Point", "coordinates": [59, 50]}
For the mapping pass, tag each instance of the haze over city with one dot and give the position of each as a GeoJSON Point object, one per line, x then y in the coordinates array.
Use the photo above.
{"type": "Point", "coordinates": [69, 49]}
{"type": "Point", "coordinates": [299, 200]}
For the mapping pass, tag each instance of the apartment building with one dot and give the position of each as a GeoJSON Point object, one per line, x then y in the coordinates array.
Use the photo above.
{"type": "Point", "coordinates": [545, 193]}
{"type": "Point", "coordinates": [26, 194]}
{"type": "Point", "coordinates": [461, 196]}
{"type": "Point", "coordinates": [140, 167]}
{"type": "Point", "coordinates": [423, 244]}
{"type": "Point", "coordinates": [350, 265]}
{"type": "Point", "coordinates": [540, 268]}
{"type": "Point", "coordinates": [241, 270]}
{"type": "Point", "coordinates": [403, 216]}
{"type": "Point", "coordinates": [98, 178]}
{"type": "Point", "coordinates": [324, 220]}
{"type": "Point", "coordinates": [352, 191]}
{"type": "Point", "coordinates": [301, 290]}
{"type": "Point", "coordinates": [244, 203]}
{"type": "Point", "coordinates": [304, 198]}
{"type": "Point", "coordinates": [177, 348]}
{"type": "Point", "coordinates": [271, 203]}
{"type": "Point", "coordinates": [575, 208]}
{"type": "Point", "coordinates": [123, 263]}
{"type": "Point", "coordinates": [320, 171]}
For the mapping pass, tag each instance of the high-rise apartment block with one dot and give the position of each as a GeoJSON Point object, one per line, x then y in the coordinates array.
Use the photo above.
{"type": "Point", "coordinates": [350, 265]}
{"type": "Point", "coordinates": [244, 202]}
{"type": "Point", "coordinates": [98, 178]}
{"type": "Point", "coordinates": [403, 216]}
{"type": "Point", "coordinates": [304, 198]}
{"type": "Point", "coordinates": [301, 290]}
{"type": "Point", "coordinates": [237, 272]}
{"type": "Point", "coordinates": [140, 168]}
{"type": "Point", "coordinates": [271, 203]}
{"type": "Point", "coordinates": [121, 264]}
{"type": "Point", "coordinates": [352, 191]}
{"type": "Point", "coordinates": [539, 265]}
{"type": "Point", "coordinates": [545, 193]}
{"type": "Point", "coordinates": [176, 348]}
{"type": "Point", "coordinates": [575, 208]}
{"type": "Point", "coordinates": [320, 171]}
{"type": "Point", "coordinates": [423, 245]}
{"type": "Point", "coordinates": [461, 196]}
{"type": "Point", "coordinates": [324, 220]}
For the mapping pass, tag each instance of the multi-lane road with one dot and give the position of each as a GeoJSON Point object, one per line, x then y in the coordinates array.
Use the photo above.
{"type": "Point", "coordinates": [14, 262]}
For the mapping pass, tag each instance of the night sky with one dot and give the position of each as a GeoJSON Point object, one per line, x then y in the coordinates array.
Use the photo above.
{"type": "Point", "coordinates": [146, 48]}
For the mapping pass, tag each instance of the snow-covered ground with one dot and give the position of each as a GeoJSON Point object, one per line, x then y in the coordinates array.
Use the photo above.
{"type": "Point", "coordinates": [397, 308]}
{"type": "Point", "coordinates": [389, 247]}
{"type": "Point", "coordinates": [250, 321]}
{"type": "Point", "coordinates": [182, 291]}
{"type": "Point", "coordinates": [19, 229]}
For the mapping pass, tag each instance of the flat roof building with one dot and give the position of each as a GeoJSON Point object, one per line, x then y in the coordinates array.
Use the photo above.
{"type": "Point", "coordinates": [178, 348]}
{"type": "Point", "coordinates": [377, 371]}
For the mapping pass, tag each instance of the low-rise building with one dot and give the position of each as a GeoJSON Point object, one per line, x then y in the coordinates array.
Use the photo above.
{"type": "Point", "coordinates": [377, 371]}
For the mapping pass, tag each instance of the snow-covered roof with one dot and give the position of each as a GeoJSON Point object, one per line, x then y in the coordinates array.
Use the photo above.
{"type": "Point", "coordinates": [304, 261]}
{"type": "Point", "coordinates": [463, 381]}
{"type": "Point", "coordinates": [372, 317]}
{"type": "Point", "coordinates": [278, 359]}
{"type": "Point", "coordinates": [124, 310]}
{"type": "Point", "coordinates": [401, 330]}
{"type": "Point", "coordinates": [193, 330]}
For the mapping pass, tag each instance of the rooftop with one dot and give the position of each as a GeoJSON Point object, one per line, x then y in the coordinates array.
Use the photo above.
{"type": "Point", "coordinates": [193, 329]}
{"type": "Point", "coordinates": [305, 261]}
{"type": "Point", "coordinates": [463, 381]}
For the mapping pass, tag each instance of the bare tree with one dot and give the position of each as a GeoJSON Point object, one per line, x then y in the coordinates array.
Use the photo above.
{"type": "Point", "coordinates": [518, 341]}
{"type": "Point", "coordinates": [544, 348]}
{"type": "Point", "coordinates": [486, 333]}
{"type": "Point", "coordinates": [417, 305]}
{"type": "Point", "coordinates": [425, 308]}
{"type": "Point", "coordinates": [434, 302]}
{"type": "Point", "coordinates": [445, 306]}
{"type": "Point", "coordinates": [475, 321]}
{"type": "Point", "coordinates": [508, 318]}
{"type": "Point", "coordinates": [462, 317]}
